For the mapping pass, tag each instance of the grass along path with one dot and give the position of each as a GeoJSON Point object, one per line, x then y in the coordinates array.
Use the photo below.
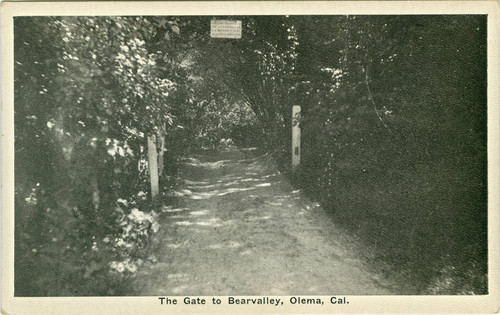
{"type": "Point", "coordinates": [241, 229]}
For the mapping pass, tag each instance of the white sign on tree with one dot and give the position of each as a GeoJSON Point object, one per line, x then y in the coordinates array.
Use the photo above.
{"type": "Point", "coordinates": [225, 29]}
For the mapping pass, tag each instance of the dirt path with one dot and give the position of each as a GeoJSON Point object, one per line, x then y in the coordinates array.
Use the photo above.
{"type": "Point", "coordinates": [243, 230]}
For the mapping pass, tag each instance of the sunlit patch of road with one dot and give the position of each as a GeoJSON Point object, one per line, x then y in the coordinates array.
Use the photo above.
{"type": "Point", "coordinates": [241, 229]}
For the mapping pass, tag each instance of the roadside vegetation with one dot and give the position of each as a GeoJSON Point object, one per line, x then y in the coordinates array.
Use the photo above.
{"type": "Point", "coordinates": [393, 136]}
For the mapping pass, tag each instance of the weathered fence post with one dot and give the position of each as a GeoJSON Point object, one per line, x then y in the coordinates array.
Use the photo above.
{"type": "Point", "coordinates": [161, 144]}
{"type": "Point", "coordinates": [295, 137]}
{"type": "Point", "coordinates": [153, 167]}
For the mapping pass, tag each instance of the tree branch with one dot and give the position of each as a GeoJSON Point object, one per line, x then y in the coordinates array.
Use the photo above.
{"type": "Point", "coordinates": [370, 95]}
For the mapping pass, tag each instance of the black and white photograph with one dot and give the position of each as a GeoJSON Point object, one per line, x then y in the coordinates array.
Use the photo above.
{"type": "Point", "coordinates": [255, 161]}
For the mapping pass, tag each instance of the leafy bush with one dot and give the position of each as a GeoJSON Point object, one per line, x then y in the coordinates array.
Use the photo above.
{"type": "Point", "coordinates": [393, 134]}
{"type": "Point", "coordinates": [84, 105]}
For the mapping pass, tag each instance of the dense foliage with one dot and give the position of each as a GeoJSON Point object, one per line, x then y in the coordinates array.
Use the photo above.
{"type": "Point", "coordinates": [393, 135]}
{"type": "Point", "coordinates": [394, 138]}
{"type": "Point", "coordinates": [83, 106]}
{"type": "Point", "coordinates": [393, 132]}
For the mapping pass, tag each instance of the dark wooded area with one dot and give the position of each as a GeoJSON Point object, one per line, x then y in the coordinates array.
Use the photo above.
{"type": "Point", "coordinates": [393, 136]}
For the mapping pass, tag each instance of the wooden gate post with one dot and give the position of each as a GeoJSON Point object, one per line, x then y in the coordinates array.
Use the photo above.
{"type": "Point", "coordinates": [295, 137]}
{"type": "Point", "coordinates": [153, 167]}
{"type": "Point", "coordinates": [161, 151]}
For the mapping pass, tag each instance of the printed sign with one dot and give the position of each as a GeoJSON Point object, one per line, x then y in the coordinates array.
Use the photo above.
{"type": "Point", "coordinates": [225, 29]}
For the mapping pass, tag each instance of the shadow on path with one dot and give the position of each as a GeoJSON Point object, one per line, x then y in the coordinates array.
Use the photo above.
{"type": "Point", "coordinates": [241, 229]}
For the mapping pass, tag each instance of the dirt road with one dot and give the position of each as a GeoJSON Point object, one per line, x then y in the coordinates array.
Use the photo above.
{"type": "Point", "coordinates": [241, 229]}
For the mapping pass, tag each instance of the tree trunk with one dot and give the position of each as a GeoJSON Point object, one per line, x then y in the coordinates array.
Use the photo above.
{"type": "Point", "coordinates": [95, 191]}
